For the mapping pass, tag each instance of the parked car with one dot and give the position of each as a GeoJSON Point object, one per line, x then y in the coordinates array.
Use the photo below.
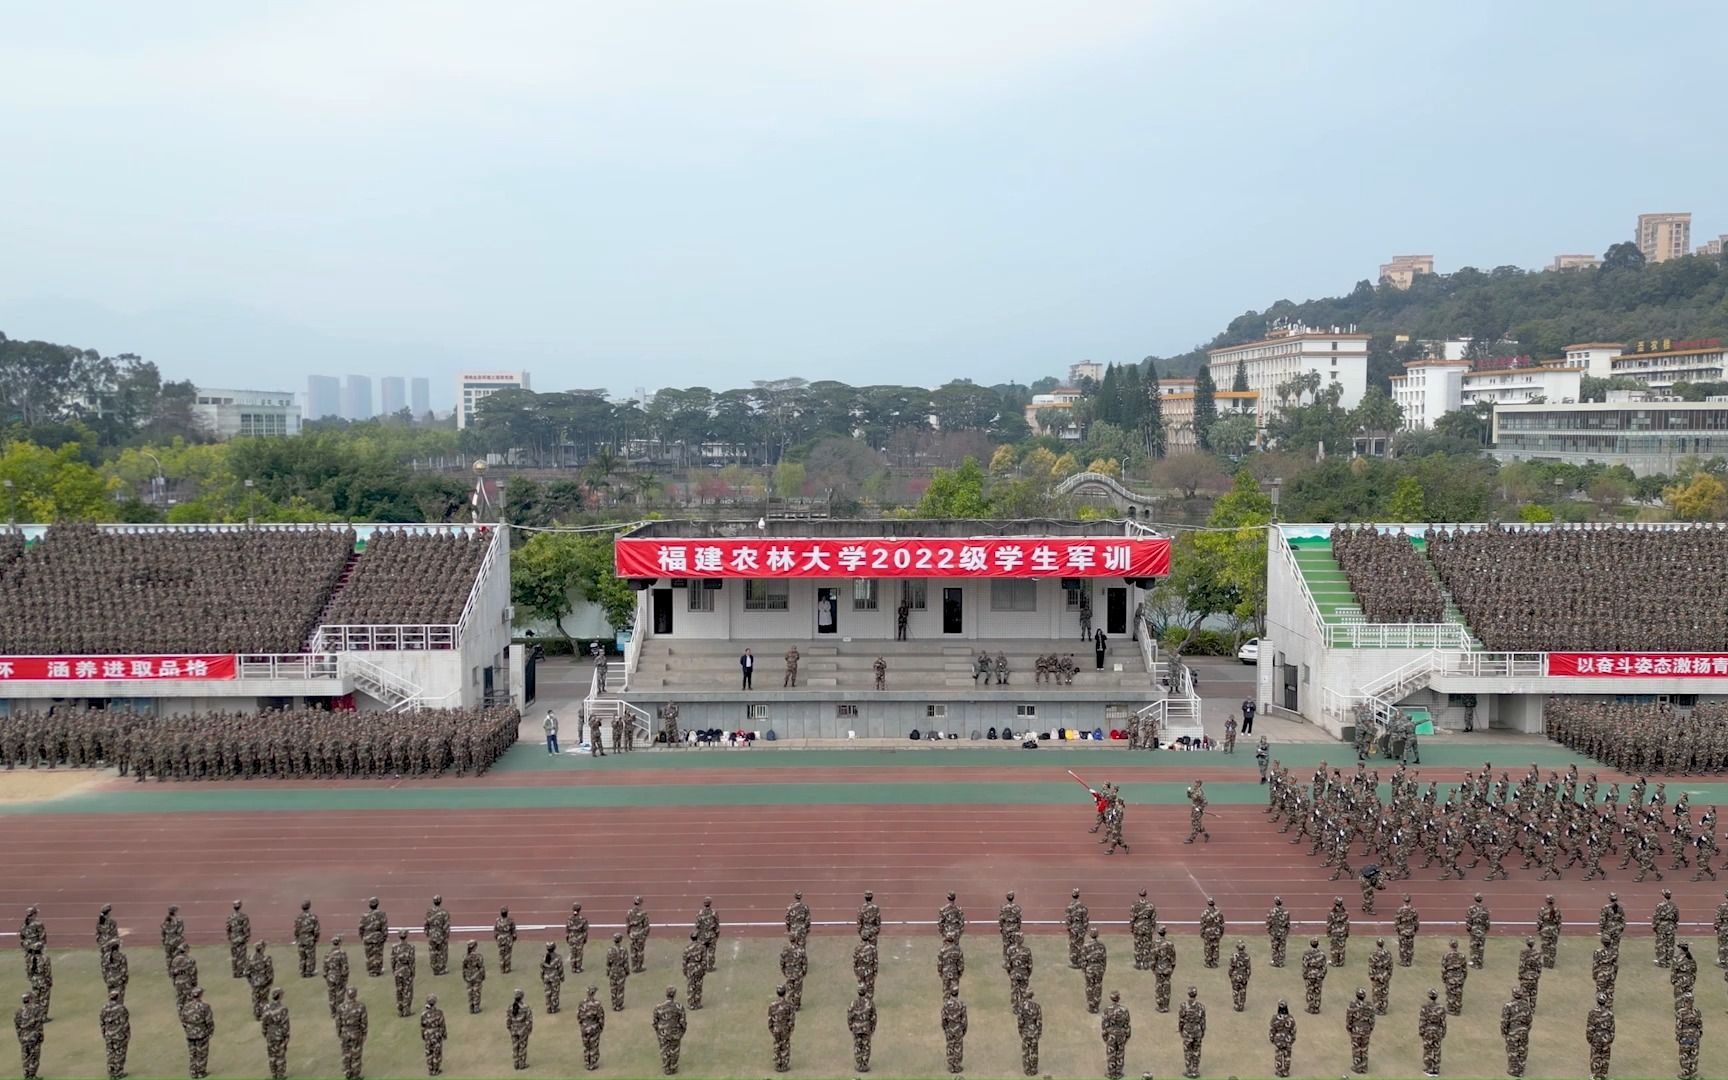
{"type": "Point", "coordinates": [1249, 653]}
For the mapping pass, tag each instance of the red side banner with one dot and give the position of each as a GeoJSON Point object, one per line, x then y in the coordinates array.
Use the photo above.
{"type": "Point", "coordinates": [76, 668]}
{"type": "Point", "coordinates": [1638, 665]}
{"type": "Point", "coordinates": [780, 558]}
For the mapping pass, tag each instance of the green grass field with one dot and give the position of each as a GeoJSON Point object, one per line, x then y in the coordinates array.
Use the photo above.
{"type": "Point", "coordinates": [729, 1038]}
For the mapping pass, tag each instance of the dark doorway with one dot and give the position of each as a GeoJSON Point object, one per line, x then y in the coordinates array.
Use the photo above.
{"type": "Point", "coordinates": [1115, 611]}
{"type": "Point", "coordinates": [827, 611]}
{"type": "Point", "coordinates": [1289, 685]}
{"type": "Point", "coordinates": [953, 612]}
{"type": "Point", "coordinates": [662, 611]}
{"type": "Point", "coordinates": [486, 684]}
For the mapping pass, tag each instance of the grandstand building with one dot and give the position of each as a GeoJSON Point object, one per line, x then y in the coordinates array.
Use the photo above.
{"type": "Point", "coordinates": [835, 590]}
{"type": "Point", "coordinates": [180, 618]}
{"type": "Point", "coordinates": [1493, 622]}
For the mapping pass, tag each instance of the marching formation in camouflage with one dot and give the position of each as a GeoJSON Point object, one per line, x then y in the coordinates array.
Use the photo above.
{"type": "Point", "coordinates": [251, 962]}
{"type": "Point", "coordinates": [309, 744]}
{"type": "Point", "coordinates": [1556, 823]}
{"type": "Point", "coordinates": [1643, 738]}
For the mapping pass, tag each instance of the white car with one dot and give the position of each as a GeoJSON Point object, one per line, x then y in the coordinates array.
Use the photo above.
{"type": "Point", "coordinates": [1249, 653]}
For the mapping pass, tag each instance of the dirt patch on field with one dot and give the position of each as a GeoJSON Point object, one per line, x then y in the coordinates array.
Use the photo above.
{"type": "Point", "coordinates": [40, 785]}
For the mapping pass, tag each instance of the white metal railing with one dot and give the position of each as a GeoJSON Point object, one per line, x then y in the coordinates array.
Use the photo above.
{"type": "Point", "coordinates": [385, 685]}
{"type": "Point", "coordinates": [345, 638]}
{"type": "Point", "coordinates": [1362, 635]}
{"type": "Point", "coordinates": [1149, 649]}
{"type": "Point", "coordinates": [1396, 684]}
{"type": "Point", "coordinates": [1179, 712]}
{"type": "Point", "coordinates": [1492, 665]}
{"type": "Point", "coordinates": [633, 649]}
{"type": "Point", "coordinates": [1295, 568]}
{"type": "Point", "coordinates": [500, 536]}
{"type": "Point", "coordinates": [289, 666]}
{"type": "Point", "coordinates": [443, 701]}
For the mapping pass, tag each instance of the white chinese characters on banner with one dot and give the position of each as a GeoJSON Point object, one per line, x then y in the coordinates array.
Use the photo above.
{"type": "Point", "coordinates": [1067, 557]}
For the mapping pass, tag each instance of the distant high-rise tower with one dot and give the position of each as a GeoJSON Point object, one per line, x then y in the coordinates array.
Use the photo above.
{"type": "Point", "coordinates": [357, 398]}
{"type": "Point", "coordinates": [420, 396]}
{"type": "Point", "coordinates": [1401, 272]}
{"type": "Point", "coordinates": [392, 394]}
{"type": "Point", "coordinates": [1664, 236]}
{"type": "Point", "coordinates": [323, 396]}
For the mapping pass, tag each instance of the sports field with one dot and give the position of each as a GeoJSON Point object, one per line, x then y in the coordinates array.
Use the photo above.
{"type": "Point", "coordinates": [748, 828]}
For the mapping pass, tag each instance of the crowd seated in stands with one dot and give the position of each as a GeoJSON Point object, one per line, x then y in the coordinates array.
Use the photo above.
{"type": "Point", "coordinates": [1391, 581]}
{"type": "Point", "coordinates": [89, 591]}
{"type": "Point", "coordinates": [410, 579]}
{"type": "Point", "coordinates": [1603, 589]}
{"type": "Point", "coordinates": [1642, 738]}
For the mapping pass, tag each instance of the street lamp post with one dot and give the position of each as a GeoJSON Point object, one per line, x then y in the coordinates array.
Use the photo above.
{"type": "Point", "coordinates": [251, 516]}
{"type": "Point", "coordinates": [12, 503]}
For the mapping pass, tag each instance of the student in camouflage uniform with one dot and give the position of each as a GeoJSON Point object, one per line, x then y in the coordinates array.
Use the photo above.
{"type": "Point", "coordinates": [1359, 1025]}
{"type": "Point", "coordinates": [1721, 928]}
{"type": "Point", "coordinates": [1684, 975]}
{"type": "Point", "coordinates": [1282, 1035]}
{"type": "Point", "coordinates": [198, 1021]}
{"type": "Point", "coordinates": [374, 935]}
{"type": "Point", "coordinates": [1093, 960]}
{"type": "Point", "coordinates": [335, 974]}
{"type": "Point", "coordinates": [239, 934]}
{"type": "Point", "coordinates": [1530, 971]}
{"type": "Point", "coordinates": [1191, 1026]}
{"type": "Point", "coordinates": [1688, 1035]}
{"type": "Point", "coordinates": [1605, 969]}
{"type": "Point", "coordinates": [1477, 923]}
{"type": "Point", "coordinates": [1118, 1028]}
{"type": "Point", "coordinates": [1453, 971]}
{"type": "Point", "coordinates": [795, 965]}
{"type": "Point", "coordinates": [617, 970]}
{"type": "Point", "coordinates": [277, 1026]}
{"type": "Point", "coordinates": [552, 977]}
{"type": "Point", "coordinates": [504, 935]}
{"type": "Point", "coordinates": [576, 937]}
{"type": "Point", "coordinates": [1211, 933]}
{"type": "Point", "coordinates": [183, 973]}
{"type": "Point", "coordinates": [1029, 1022]}
{"type": "Point", "coordinates": [433, 1031]}
{"type": "Point", "coordinates": [39, 972]}
{"type": "Point", "coordinates": [1278, 930]}
{"type": "Point", "coordinates": [1408, 923]}
{"type": "Point", "coordinates": [106, 928]}
{"type": "Point", "coordinates": [1076, 919]}
{"type": "Point", "coordinates": [1143, 925]}
{"type": "Point", "coordinates": [1241, 968]}
{"type": "Point", "coordinates": [1314, 969]}
{"type": "Point", "coordinates": [474, 976]}
{"type": "Point", "coordinates": [1431, 1029]}
{"type": "Point", "coordinates": [1612, 920]}
{"type": "Point", "coordinates": [636, 924]}
{"type": "Point", "coordinates": [173, 933]}
{"type": "Point", "coordinates": [865, 960]}
{"type": "Point", "coordinates": [869, 915]}
{"type": "Point", "coordinates": [782, 1018]}
{"type": "Point", "coordinates": [115, 968]}
{"type": "Point", "coordinates": [260, 974]}
{"type": "Point", "coordinates": [694, 964]}
{"type": "Point", "coordinates": [402, 964]}
{"type": "Point", "coordinates": [29, 1023]}
{"type": "Point", "coordinates": [306, 931]}
{"type": "Point", "coordinates": [1599, 1033]}
{"type": "Point", "coordinates": [1163, 968]}
{"type": "Point", "coordinates": [1008, 922]}
{"type": "Point", "coordinates": [950, 920]}
{"type": "Point", "coordinates": [954, 1024]}
{"type": "Point", "coordinates": [880, 670]}
{"type": "Point", "coordinates": [708, 927]}
{"type": "Point", "coordinates": [591, 1018]}
{"type": "Point", "coordinates": [861, 1022]}
{"type": "Point", "coordinates": [1380, 976]}
{"type": "Point", "coordinates": [352, 1026]}
{"type": "Point", "coordinates": [1516, 1016]}
{"type": "Point", "coordinates": [1664, 924]}
{"type": "Point", "coordinates": [519, 1022]}
{"type": "Point", "coordinates": [116, 1023]}
{"type": "Point", "coordinates": [1017, 962]}
{"type": "Point", "coordinates": [798, 918]}
{"type": "Point", "coordinates": [670, 1023]}
{"type": "Point", "coordinates": [1337, 930]}
{"type": "Point", "coordinates": [437, 927]}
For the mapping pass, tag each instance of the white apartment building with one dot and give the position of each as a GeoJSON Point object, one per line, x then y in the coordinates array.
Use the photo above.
{"type": "Point", "coordinates": [1595, 357]}
{"type": "Point", "coordinates": [232, 413]}
{"type": "Point", "coordinates": [473, 387]}
{"type": "Point", "coordinates": [1085, 369]}
{"type": "Point", "coordinates": [1338, 354]}
{"type": "Point", "coordinates": [1063, 398]}
{"type": "Point", "coordinates": [1662, 363]}
{"type": "Point", "coordinates": [1428, 390]}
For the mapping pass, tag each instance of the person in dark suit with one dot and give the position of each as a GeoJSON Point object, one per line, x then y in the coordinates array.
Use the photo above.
{"type": "Point", "coordinates": [1100, 644]}
{"type": "Point", "coordinates": [747, 664]}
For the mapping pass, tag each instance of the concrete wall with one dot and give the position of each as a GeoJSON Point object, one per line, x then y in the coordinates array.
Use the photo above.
{"type": "Point", "coordinates": [878, 718]}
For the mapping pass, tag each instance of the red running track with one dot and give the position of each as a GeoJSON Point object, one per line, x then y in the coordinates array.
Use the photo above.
{"type": "Point", "coordinates": [749, 859]}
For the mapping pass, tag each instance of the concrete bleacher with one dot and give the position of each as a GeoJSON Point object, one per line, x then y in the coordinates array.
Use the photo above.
{"type": "Point", "coordinates": [1325, 580]}
{"type": "Point", "coordinates": [697, 665]}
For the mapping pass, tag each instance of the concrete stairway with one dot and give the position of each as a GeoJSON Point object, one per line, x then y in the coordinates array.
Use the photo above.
{"type": "Point", "coordinates": [682, 664]}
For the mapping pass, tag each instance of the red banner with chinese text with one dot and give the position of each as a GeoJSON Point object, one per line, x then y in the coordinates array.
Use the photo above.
{"type": "Point", "coordinates": [85, 668]}
{"type": "Point", "coordinates": [1638, 665]}
{"type": "Point", "coordinates": [803, 558]}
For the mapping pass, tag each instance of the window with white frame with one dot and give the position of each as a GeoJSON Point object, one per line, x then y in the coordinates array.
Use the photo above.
{"type": "Point", "coordinates": [864, 592]}
{"type": "Point", "coordinates": [1072, 596]}
{"type": "Point", "coordinates": [1026, 712]}
{"type": "Point", "coordinates": [935, 712]}
{"type": "Point", "coordinates": [915, 593]}
{"type": "Point", "coordinates": [758, 712]}
{"type": "Point", "coordinates": [766, 594]}
{"type": "Point", "coordinates": [700, 599]}
{"type": "Point", "coordinates": [1011, 594]}
{"type": "Point", "coordinates": [846, 712]}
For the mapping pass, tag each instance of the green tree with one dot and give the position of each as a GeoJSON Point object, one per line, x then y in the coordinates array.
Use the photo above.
{"type": "Point", "coordinates": [53, 485]}
{"type": "Point", "coordinates": [1205, 407]}
{"type": "Point", "coordinates": [1702, 498]}
{"type": "Point", "coordinates": [1151, 413]}
{"type": "Point", "coordinates": [789, 479]}
{"type": "Point", "coordinates": [1407, 502]}
{"type": "Point", "coordinates": [1376, 413]}
{"type": "Point", "coordinates": [1233, 436]}
{"type": "Point", "coordinates": [1239, 383]}
{"type": "Point", "coordinates": [955, 493]}
{"type": "Point", "coordinates": [1623, 256]}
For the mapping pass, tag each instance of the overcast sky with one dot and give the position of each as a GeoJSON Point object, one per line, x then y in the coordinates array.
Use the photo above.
{"type": "Point", "coordinates": [643, 194]}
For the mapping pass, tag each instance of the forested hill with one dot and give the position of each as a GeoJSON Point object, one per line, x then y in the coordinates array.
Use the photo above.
{"type": "Point", "coordinates": [1542, 310]}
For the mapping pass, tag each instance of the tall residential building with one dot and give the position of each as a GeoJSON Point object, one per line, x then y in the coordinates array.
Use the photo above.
{"type": "Point", "coordinates": [357, 398]}
{"type": "Point", "coordinates": [1429, 389]}
{"type": "Point", "coordinates": [1402, 270]}
{"type": "Point", "coordinates": [1575, 262]}
{"type": "Point", "coordinates": [1664, 236]}
{"type": "Point", "coordinates": [1085, 369]}
{"type": "Point", "coordinates": [473, 387]}
{"type": "Point", "coordinates": [420, 396]}
{"type": "Point", "coordinates": [1661, 363]}
{"type": "Point", "coordinates": [1180, 436]}
{"type": "Point", "coordinates": [1336, 354]}
{"type": "Point", "coordinates": [323, 396]}
{"type": "Point", "coordinates": [392, 395]}
{"type": "Point", "coordinates": [1713, 247]}
{"type": "Point", "coordinates": [228, 413]}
